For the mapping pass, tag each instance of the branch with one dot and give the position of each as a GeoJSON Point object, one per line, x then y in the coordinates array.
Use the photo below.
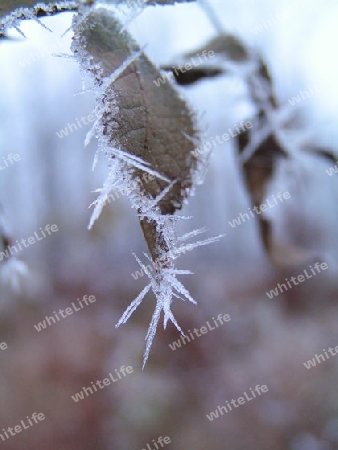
{"type": "Point", "coordinates": [13, 13]}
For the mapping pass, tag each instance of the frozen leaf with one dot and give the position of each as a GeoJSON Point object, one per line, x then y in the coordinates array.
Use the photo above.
{"type": "Point", "coordinates": [148, 134]}
{"type": "Point", "coordinates": [143, 126]}
{"type": "Point", "coordinates": [260, 148]}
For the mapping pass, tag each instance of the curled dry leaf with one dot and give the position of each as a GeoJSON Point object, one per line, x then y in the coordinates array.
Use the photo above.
{"type": "Point", "coordinates": [261, 148]}
{"type": "Point", "coordinates": [261, 151]}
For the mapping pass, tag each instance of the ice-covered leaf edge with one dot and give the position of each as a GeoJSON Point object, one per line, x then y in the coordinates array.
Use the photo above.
{"type": "Point", "coordinates": [164, 282]}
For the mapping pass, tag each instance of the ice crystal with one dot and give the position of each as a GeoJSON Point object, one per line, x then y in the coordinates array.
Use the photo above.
{"type": "Point", "coordinates": [164, 282]}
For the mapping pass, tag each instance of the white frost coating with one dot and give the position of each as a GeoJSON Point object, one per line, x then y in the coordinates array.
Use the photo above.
{"type": "Point", "coordinates": [164, 283]}
{"type": "Point", "coordinates": [122, 166]}
{"type": "Point", "coordinates": [14, 19]}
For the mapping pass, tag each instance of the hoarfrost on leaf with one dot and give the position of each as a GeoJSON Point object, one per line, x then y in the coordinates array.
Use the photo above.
{"type": "Point", "coordinates": [148, 136]}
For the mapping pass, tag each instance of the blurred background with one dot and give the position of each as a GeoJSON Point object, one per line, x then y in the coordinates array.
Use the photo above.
{"type": "Point", "coordinates": [267, 340]}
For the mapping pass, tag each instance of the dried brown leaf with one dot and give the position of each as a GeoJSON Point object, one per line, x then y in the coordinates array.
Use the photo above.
{"type": "Point", "coordinates": [152, 123]}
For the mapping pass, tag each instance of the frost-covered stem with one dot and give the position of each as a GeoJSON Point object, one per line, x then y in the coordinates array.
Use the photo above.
{"type": "Point", "coordinates": [9, 18]}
